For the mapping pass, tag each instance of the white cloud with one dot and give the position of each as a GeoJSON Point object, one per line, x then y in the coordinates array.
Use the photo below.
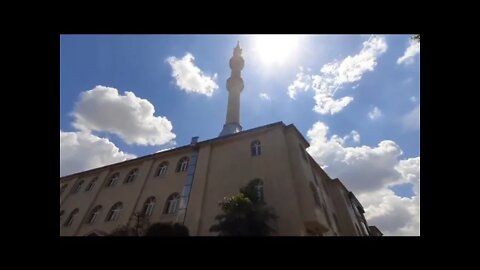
{"type": "Point", "coordinates": [412, 119]}
{"type": "Point", "coordinates": [375, 113]}
{"type": "Point", "coordinates": [369, 172]}
{"type": "Point", "coordinates": [163, 150]}
{"type": "Point", "coordinates": [302, 82]}
{"type": "Point", "coordinates": [80, 151]}
{"type": "Point", "coordinates": [392, 214]}
{"type": "Point", "coordinates": [334, 75]}
{"type": "Point", "coordinates": [264, 96]}
{"type": "Point", "coordinates": [413, 99]}
{"type": "Point", "coordinates": [190, 78]}
{"type": "Point", "coordinates": [355, 136]}
{"type": "Point", "coordinates": [410, 52]}
{"type": "Point", "coordinates": [128, 116]}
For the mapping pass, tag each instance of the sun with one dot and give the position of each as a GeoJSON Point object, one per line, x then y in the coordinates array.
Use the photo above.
{"type": "Point", "coordinates": [275, 49]}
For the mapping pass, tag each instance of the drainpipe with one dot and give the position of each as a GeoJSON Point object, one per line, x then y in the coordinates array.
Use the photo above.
{"type": "Point", "coordinates": [187, 186]}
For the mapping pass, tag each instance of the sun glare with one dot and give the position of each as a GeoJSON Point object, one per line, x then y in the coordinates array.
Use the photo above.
{"type": "Point", "coordinates": [275, 49]}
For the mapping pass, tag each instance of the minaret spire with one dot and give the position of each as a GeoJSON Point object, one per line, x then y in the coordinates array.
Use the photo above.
{"type": "Point", "coordinates": [234, 87]}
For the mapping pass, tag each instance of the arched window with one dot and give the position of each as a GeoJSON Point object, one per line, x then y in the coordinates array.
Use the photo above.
{"type": "Point", "coordinates": [148, 206]}
{"type": "Point", "coordinates": [113, 180]}
{"type": "Point", "coordinates": [316, 197]}
{"type": "Point", "coordinates": [70, 218]}
{"type": "Point", "coordinates": [94, 214]}
{"type": "Point", "coordinates": [78, 186]}
{"type": "Point", "coordinates": [182, 165]}
{"type": "Point", "coordinates": [162, 169]}
{"type": "Point", "coordinates": [171, 205]}
{"type": "Point", "coordinates": [256, 149]}
{"type": "Point", "coordinates": [302, 150]}
{"type": "Point", "coordinates": [114, 212]}
{"type": "Point", "coordinates": [62, 189]}
{"type": "Point", "coordinates": [91, 184]}
{"type": "Point", "coordinates": [131, 176]}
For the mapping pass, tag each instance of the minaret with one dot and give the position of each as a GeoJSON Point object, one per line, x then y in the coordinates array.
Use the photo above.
{"type": "Point", "coordinates": [234, 87]}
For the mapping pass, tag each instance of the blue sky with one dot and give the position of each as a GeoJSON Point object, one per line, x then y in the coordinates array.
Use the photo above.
{"type": "Point", "coordinates": [380, 75]}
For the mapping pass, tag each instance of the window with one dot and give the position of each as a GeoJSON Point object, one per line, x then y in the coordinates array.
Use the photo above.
{"type": "Point", "coordinates": [259, 189]}
{"type": "Point", "coordinates": [70, 218]}
{"type": "Point", "coordinates": [62, 189]}
{"type": "Point", "coordinates": [114, 212]}
{"type": "Point", "coordinates": [171, 205]}
{"type": "Point", "coordinates": [182, 165]}
{"type": "Point", "coordinates": [113, 180]}
{"type": "Point", "coordinates": [302, 150]}
{"type": "Point", "coordinates": [162, 169]}
{"type": "Point", "coordinates": [78, 186]}
{"type": "Point", "coordinates": [94, 214]}
{"type": "Point", "coordinates": [131, 176]}
{"type": "Point", "coordinates": [148, 206]}
{"type": "Point", "coordinates": [256, 149]}
{"type": "Point", "coordinates": [91, 184]}
{"type": "Point", "coordinates": [316, 197]}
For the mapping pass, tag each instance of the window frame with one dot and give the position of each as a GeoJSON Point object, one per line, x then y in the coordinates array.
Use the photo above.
{"type": "Point", "coordinates": [162, 169]}
{"type": "Point", "coordinates": [91, 185]}
{"type": "Point", "coordinates": [111, 182]}
{"type": "Point", "coordinates": [171, 206]}
{"type": "Point", "coordinates": [255, 148]}
{"type": "Point", "coordinates": [149, 206]}
{"type": "Point", "coordinates": [77, 187]}
{"type": "Point", "coordinates": [114, 213]}
{"type": "Point", "coordinates": [131, 176]}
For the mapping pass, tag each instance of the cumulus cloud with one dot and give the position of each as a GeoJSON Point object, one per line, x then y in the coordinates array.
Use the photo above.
{"type": "Point", "coordinates": [302, 82]}
{"type": "Point", "coordinates": [410, 52]}
{"type": "Point", "coordinates": [412, 119]}
{"type": "Point", "coordinates": [392, 214]}
{"type": "Point", "coordinates": [375, 113]}
{"type": "Point", "coordinates": [128, 116]}
{"type": "Point", "coordinates": [369, 172]}
{"type": "Point", "coordinates": [80, 151]}
{"type": "Point", "coordinates": [334, 75]}
{"type": "Point", "coordinates": [355, 136]}
{"type": "Point", "coordinates": [264, 96]}
{"type": "Point", "coordinates": [190, 78]}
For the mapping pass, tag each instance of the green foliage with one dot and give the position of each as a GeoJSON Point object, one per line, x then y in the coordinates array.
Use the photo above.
{"type": "Point", "coordinates": [245, 214]}
{"type": "Point", "coordinates": [123, 231]}
{"type": "Point", "coordinates": [167, 229]}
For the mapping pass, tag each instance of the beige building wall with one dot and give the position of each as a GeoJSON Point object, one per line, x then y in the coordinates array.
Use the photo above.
{"type": "Point", "coordinates": [224, 165]}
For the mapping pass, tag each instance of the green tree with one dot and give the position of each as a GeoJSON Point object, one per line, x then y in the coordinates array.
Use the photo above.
{"type": "Point", "coordinates": [245, 214]}
{"type": "Point", "coordinates": [167, 229]}
{"type": "Point", "coordinates": [123, 231]}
